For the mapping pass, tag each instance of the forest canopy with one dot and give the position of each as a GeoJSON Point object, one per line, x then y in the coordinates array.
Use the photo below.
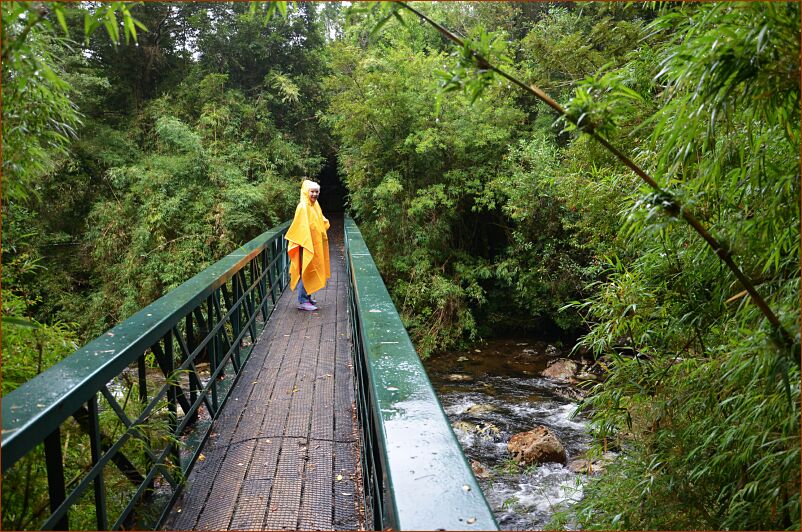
{"type": "Point", "coordinates": [142, 142]}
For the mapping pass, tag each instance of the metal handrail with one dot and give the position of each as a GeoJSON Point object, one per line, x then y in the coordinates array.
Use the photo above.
{"type": "Point", "coordinates": [211, 314]}
{"type": "Point", "coordinates": [415, 476]}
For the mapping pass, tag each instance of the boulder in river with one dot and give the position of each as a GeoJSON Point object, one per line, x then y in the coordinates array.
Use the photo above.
{"type": "Point", "coordinates": [585, 375]}
{"type": "Point", "coordinates": [551, 351]}
{"type": "Point", "coordinates": [481, 408]}
{"type": "Point", "coordinates": [570, 393]}
{"type": "Point", "coordinates": [537, 446]}
{"type": "Point", "coordinates": [459, 377]}
{"type": "Point", "coordinates": [561, 369]}
{"type": "Point", "coordinates": [464, 426]}
{"type": "Point", "coordinates": [488, 389]}
{"type": "Point", "coordinates": [479, 470]}
{"type": "Point", "coordinates": [582, 466]}
{"type": "Point", "coordinates": [486, 431]}
{"type": "Point", "coordinates": [591, 467]}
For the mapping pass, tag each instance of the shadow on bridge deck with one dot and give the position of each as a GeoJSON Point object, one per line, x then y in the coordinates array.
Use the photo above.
{"type": "Point", "coordinates": [283, 453]}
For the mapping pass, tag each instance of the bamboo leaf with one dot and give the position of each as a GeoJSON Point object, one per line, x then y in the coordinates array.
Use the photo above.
{"type": "Point", "coordinates": [59, 11]}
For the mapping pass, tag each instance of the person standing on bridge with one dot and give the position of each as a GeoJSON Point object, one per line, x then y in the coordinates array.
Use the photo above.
{"type": "Point", "coordinates": [308, 247]}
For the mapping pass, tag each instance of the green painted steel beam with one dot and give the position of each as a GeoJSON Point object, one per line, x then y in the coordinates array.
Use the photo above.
{"type": "Point", "coordinates": [428, 483]}
{"type": "Point", "coordinates": [40, 405]}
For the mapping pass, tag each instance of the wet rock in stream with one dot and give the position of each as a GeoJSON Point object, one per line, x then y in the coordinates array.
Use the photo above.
{"type": "Point", "coordinates": [481, 409]}
{"type": "Point", "coordinates": [479, 470]}
{"type": "Point", "coordinates": [537, 446]}
{"type": "Point", "coordinates": [591, 467]}
{"type": "Point", "coordinates": [561, 369]}
{"type": "Point", "coordinates": [484, 430]}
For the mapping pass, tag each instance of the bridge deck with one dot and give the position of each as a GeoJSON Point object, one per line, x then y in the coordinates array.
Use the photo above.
{"type": "Point", "coordinates": [283, 454]}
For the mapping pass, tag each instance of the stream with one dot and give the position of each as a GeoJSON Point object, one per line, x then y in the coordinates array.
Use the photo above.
{"type": "Point", "coordinates": [494, 392]}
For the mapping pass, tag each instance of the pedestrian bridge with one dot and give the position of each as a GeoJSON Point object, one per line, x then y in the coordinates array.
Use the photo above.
{"type": "Point", "coordinates": [221, 406]}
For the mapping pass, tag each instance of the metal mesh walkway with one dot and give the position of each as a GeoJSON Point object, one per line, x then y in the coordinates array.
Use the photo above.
{"type": "Point", "coordinates": [283, 454]}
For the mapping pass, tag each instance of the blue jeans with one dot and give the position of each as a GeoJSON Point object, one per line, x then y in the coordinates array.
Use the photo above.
{"type": "Point", "coordinates": [303, 297]}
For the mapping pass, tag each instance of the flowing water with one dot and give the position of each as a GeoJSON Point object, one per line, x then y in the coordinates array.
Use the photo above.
{"type": "Point", "coordinates": [494, 392]}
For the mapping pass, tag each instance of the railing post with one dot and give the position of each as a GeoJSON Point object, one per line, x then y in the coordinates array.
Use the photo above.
{"type": "Point", "coordinates": [272, 273]}
{"type": "Point", "coordinates": [213, 350]}
{"type": "Point", "coordinates": [172, 394]}
{"type": "Point", "coordinates": [143, 381]}
{"type": "Point", "coordinates": [100, 488]}
{"type": "Point", "coordinates": [236, 307]}
{"type": "Point", "coordinates": [285, 271]}
{"type": "Point", "coordinates": [263, 259]}
{"type": "Point", "coordinates": [192, 344]}
{"type": "Point", "coordinates": [250, 299]}
{"type": "Point", "coordinates": [54, 462]}
{"type": "Point", "coordinates": [280, 264]}
{"type": "Point", "coordinates": [143, 395]}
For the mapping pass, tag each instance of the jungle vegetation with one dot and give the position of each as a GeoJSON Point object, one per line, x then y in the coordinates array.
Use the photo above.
{"type": "Point", "coordinates": [139, 149]}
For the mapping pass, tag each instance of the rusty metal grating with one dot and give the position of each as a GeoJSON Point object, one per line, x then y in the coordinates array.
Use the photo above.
{"type": "Point", "coordinates": [346, 501]}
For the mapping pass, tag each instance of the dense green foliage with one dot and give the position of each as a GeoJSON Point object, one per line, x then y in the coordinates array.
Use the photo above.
{"type": "Point", "coordinates": [130, 166]}
{"type": "Point", "coordinates": [464, 199]}
{"type": "Point", "coordinates": [415, 179]}
{"type": "Point", "coordinates": [164, 175]}
{"type": "Point", "coordinates": [708, 410]}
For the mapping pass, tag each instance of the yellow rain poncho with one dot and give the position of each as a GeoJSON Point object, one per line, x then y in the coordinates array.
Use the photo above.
{"type": "Point", "coordinates": [308, 232]}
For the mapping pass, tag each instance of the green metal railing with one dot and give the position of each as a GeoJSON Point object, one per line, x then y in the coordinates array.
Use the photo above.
{"type": "Point", "coordinates": [141, 396]}
{"type": "Point", "coordinates": [415, 476]}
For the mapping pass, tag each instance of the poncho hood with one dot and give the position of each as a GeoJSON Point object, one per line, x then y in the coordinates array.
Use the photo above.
{"type": "Point", "coordinates": [306, 186]}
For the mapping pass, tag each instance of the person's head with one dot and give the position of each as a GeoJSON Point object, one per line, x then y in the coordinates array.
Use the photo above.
{"type": "Point", "coordinates": [310, 190]}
